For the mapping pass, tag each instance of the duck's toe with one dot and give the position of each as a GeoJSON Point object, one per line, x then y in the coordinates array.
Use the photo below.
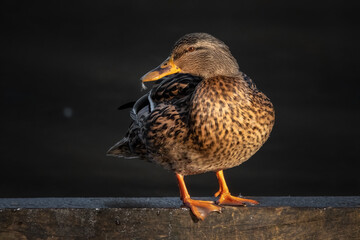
{"type": "Point", "coordinates": [201, 209]}
{"type": "Point", "coordinates": [228, 199]}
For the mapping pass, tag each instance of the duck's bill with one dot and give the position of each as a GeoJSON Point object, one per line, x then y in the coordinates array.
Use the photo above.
{"type": "Point", "coordinates": [166, 68]}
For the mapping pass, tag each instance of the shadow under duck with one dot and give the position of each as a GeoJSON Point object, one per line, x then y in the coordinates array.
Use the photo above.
{"type": "Point", "coordinates": [202, 115]}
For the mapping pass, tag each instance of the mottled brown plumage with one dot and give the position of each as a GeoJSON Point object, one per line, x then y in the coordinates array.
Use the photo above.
{"type": "Point", "coordinates": [202, 115]}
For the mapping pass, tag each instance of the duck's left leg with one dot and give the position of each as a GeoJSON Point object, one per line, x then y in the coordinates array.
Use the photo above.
{"type": "Point", "coordinates": [225, 197]}
{"type": "Point", "coordinates": [201, 209]}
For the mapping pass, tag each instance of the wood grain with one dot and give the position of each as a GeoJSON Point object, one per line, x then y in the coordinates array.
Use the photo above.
{"type": "Point", "coordinates": [114, 218]}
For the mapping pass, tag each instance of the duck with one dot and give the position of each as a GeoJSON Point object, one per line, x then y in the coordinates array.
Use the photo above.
{"type": "Point", "coordinates": [202, 114]}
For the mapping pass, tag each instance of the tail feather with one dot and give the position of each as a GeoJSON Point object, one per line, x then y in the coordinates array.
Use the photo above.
{"type": "Point", "coordinates": [121, 149]}
{"type": "Point", "coordinates": [127, 149]}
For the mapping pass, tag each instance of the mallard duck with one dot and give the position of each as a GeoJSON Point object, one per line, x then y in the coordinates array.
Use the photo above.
{"type": "Point", "coordinates": [201, 115]}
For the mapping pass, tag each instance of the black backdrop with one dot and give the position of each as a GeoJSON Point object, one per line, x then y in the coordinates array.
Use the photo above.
{"type": "Point", "coordinates": [66, 67]}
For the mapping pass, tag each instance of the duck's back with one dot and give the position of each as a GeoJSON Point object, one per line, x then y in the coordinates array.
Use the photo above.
{"type": "Point", "coordinates": [151, 112]}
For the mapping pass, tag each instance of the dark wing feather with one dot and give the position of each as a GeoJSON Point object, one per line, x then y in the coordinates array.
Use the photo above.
{"type": "Point", "coordinates": [172, 89]}
{"type": "Point", "coordinates": [174, 86]}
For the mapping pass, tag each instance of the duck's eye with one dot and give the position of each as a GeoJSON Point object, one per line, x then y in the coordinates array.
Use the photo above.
{"type": "Point", "coordinates": [191, 49]}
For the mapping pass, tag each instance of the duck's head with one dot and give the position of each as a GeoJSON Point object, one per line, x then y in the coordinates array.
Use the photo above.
{"type": "Point", "coordinates": [199, 54]}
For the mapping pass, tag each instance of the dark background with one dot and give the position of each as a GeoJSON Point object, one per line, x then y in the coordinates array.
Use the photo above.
{"type": "Point", "coordinates": [66, 67]}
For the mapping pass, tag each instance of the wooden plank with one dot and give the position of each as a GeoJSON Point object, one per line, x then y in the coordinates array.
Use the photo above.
{"type": "Point", "coordinates": [162, 218]}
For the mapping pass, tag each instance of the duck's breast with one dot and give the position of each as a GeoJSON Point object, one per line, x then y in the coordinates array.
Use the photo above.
{"type": "Point", "coordinates": [229, 121]}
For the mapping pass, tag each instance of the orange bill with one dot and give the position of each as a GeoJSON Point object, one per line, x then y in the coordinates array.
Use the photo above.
{"type": "Point", "coordinates": [166, 68]}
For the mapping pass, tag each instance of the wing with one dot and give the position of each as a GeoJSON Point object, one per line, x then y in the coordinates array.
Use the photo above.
{"type": "Point", "coordinates": [171, 90]}
{"type": "Point", "coordinates": [174, 87]}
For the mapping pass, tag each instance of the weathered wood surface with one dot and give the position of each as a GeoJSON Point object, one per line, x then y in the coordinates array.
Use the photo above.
{"type": "Point", "coordinates": [162, 218]}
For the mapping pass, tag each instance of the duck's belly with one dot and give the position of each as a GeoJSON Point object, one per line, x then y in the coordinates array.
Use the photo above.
{"type": "Point", "coordinates": [225, 149]}
{"type": "Point", "coordinates": [189, 159]}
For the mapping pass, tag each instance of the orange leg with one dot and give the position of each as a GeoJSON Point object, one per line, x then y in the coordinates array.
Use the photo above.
{"type": "Point", "coordinates": [225, 197]}
{"type": "Point", "coordinates": [201, 209]}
